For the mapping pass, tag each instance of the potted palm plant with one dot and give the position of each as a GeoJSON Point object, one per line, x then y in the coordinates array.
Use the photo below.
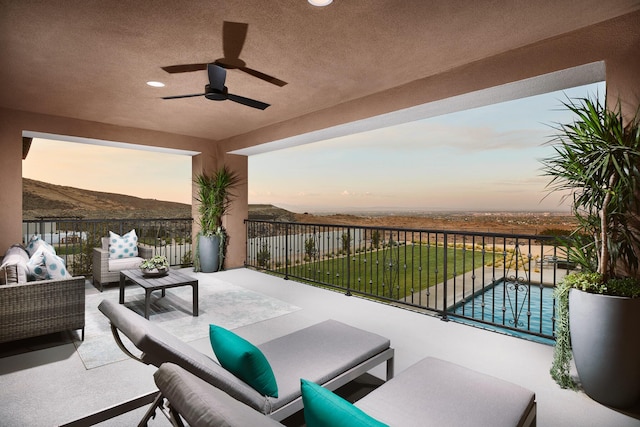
{"type": "Point", "coordinates": [214, 198]}
{"type": "Point", "coordinates": [596, 163]}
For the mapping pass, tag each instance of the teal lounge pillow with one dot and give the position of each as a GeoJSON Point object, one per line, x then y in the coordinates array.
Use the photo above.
{"type": "Point", "coordinates": [323, 408]}
{"type": "Point", "coordinates": [244, 360]}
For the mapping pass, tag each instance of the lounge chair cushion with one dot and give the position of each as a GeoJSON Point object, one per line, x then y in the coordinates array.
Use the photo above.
{"type": "Point", "coordinates": [323, 408]}
{"type": "Point", "coordinates": [448, 395]}
{"type": "Point", "coordinates": [200, 404]}
{"type": "Point", "coordinates": [318, 353]}
{"type": "Point", "coordinates": [125, 246]}
{"type": "Point", "coordinates": [243, 359]}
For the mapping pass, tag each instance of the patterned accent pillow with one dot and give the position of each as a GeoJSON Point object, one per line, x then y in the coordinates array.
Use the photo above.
{"type": "Point", "coordinates": [55, 266]}
{"type": "Point", "coordinates": [36, 268]}
{"type": "Point", "coordinates": [125, 246]}
{"type": "Point", "coordinates": [36, 243]}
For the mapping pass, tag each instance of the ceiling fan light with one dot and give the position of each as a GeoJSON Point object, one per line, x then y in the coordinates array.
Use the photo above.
{"type": "Point", "coordinates": [155, 84]}
{"type": "Point", "coordinates": [320, 3]}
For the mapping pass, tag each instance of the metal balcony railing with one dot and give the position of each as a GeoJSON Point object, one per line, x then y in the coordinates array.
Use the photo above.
{"type": "Point", "coordinates": [489, 279]}
{"type": "Point", "coordinates": [74, 238]}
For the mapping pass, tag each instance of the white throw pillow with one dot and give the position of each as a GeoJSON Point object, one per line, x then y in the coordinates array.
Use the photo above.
{"type": "Point", "coordinates": [36, 243]}
{"type": "Point", "coordinates": [36, 267]}
{"type": "Point", "coordinates": [55, 266]}
{"type": "Point", "coordinates": [125, 246]}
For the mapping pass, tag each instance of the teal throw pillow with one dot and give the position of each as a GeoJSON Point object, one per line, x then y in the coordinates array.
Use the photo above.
{"type": "Point", "coordinates": [244, 360]}
{"type": "Point", "coordinates": [323, 408]}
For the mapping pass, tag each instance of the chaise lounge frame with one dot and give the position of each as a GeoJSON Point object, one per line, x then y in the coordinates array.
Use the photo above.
{"type": "Point", "coordinates": [330, 353]}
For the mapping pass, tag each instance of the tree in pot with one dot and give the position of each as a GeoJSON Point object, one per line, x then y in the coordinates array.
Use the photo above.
{"type": "Point", "coordinates": [214, 198]}
{"type": "Point", "coordinates": [596, 162]}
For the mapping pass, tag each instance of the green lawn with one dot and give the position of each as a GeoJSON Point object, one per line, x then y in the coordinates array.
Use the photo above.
{"type": "Point", "coordinates": [393, 272]}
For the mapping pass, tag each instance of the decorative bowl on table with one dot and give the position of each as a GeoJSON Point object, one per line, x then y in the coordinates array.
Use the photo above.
{"type": "Point", "coordinates": [155, 272]}
{"type": "Point", "coordinates": [155, 267]}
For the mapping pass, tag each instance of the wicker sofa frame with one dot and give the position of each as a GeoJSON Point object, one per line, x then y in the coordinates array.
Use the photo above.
{"type": "Point", "coordinates": [41, 307]}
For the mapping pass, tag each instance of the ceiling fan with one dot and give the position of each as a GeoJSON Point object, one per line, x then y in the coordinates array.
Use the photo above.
{"type": "Point", "coordinates": [217, 91]}
{"type": "Point", "coordinates": [233, 37]}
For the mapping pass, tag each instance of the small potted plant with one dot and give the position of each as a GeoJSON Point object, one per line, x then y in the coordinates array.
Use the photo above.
{"type": "Point", "coordinates": [157, 265]}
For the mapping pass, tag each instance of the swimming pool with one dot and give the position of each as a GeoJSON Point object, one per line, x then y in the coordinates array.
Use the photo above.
{"type": "Point", "coordinates": [510, 303]}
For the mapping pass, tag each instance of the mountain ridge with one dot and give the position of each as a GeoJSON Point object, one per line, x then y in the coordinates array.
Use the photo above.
{"type": "Point", "coordinates": [42, 199]}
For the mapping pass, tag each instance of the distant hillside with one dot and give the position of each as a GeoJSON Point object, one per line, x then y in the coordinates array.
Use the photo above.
{"type": "Point", "coordinates": [270, 213]}
{"type": "Point", "coordinates": [44, 199]}
{"type": "Point", "coordinates": [41, 199]}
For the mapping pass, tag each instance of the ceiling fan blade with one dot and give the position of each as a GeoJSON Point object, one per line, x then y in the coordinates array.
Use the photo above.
{"type": "Point", "coordinates": [183, 96]}
{"type": "Point", "coordinates": [217, 77]}
{"type": "Point", "coordinates": [263, 76]}
{"type": "Point", "coordinates": [233, 37]}
{"type": "Point", "coordinates": [184, 68]}
{"type": "Point", "coordinates": [247, 101]}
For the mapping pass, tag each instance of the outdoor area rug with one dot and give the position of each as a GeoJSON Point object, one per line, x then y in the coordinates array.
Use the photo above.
{"type": "Point", "coordinates": [221, 303]}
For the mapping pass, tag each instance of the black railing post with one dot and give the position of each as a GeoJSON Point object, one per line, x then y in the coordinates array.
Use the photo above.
{"type": "Point", "coordinates": [445, 272]}
{"type": "Point", "coordinates": [286, 251]}
{"type": "Point", "coordinates": [348, 245]}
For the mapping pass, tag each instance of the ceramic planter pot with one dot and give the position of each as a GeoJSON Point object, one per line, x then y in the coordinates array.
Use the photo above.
{"type": "Point", "coordinates": [605, 337]}
{"type": "Point", "coordinates": [209, 253]}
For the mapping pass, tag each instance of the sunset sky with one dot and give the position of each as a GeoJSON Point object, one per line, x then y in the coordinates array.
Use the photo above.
{"type": "Point", "coordinates": [482, 159]}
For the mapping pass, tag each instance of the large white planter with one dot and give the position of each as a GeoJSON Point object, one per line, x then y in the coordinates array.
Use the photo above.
{"type": "Point", "coordinates": [605, 337]}
{"type": "Point", "coordinates": [209, 253]}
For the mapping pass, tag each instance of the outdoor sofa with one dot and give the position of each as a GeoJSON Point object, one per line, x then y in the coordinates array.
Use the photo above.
{"type": "Point", "coordinates": [38, 307]}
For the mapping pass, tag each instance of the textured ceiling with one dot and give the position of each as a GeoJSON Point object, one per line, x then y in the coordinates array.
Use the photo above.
{"type": "Point", "coordinates": [90, 59]}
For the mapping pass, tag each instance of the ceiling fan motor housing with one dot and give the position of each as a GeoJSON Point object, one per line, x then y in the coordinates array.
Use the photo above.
{"type": "Point", "coordinates": [215, 95]}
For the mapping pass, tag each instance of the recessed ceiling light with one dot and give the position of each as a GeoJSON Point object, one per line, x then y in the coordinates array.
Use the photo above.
{"type": "Point", "coordinates": [156, 84]}
{"type": "Point", "coordinates": [320, 3]}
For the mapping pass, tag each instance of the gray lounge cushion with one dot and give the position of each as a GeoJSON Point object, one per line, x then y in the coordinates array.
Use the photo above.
{"type": "Point", "coordinates": [434, 392]}
{"type": "Point", "coordinates": [318, 353]}
{"type": "Point", "coordinates": [202, 405]}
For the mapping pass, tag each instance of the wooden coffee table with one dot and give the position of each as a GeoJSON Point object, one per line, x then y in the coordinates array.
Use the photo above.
{"type": "Point", "coordinates": [172, 279]}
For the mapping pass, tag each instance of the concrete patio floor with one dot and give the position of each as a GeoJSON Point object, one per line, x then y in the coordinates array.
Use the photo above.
{"type": "Point", "coordinates": [48, 385]}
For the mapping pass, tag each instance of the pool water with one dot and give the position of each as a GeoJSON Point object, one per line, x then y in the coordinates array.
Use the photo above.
{"type": "Point", "coordinates": [508, 304]}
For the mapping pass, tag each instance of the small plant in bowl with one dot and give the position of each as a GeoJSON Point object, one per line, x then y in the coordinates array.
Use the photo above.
{"type": "Point", "coordinates": [157, 265]}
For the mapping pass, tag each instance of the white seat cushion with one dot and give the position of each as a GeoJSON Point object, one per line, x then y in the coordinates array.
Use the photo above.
{"type": "Point", "coordinates": [125, 263]}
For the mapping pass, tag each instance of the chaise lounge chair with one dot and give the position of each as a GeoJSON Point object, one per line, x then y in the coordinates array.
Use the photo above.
{"type": "Point", "coordinates": [329, 353]}
{"type": "Point", "coordinates": [432, 392]}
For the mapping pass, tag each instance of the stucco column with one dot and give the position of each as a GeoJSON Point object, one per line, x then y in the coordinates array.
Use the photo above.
{"type": "Point", "coordinates": [11, 179]}
{"type": "Point", "coordinates": [238, 212]}
{"type": "Point", "coordinates": [623, 83]}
